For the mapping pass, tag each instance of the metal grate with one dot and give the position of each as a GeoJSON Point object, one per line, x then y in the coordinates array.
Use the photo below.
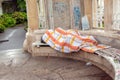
{"type": "Point", "coordinates": [98, 13]}
{"type": "Point", "coordinates": [42, 15]}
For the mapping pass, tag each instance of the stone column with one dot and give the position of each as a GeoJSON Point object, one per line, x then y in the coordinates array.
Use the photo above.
{"type": "Point", "coordinates": [88, 10]}
{"type": "Point", "coordinates": [108, 14]}
{"type": "Point", "coordinates": [82, 7]}
{"type": "Point", "coordinates": [32, 13]}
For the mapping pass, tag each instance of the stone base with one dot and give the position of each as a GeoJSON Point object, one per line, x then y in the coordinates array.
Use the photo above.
{"type": "Point", "coordinates": [102, 62]}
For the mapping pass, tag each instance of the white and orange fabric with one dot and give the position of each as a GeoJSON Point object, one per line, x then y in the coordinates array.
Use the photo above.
{"type": "Point", "coordinates": [68, 41]}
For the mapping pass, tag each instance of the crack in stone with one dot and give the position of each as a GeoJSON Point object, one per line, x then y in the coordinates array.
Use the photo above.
{"type": "Point", "coordinates": [61, 67]}
{"type": "Point", "coordinates": [26, 61]}
{"type": "Point", "coordinates": [10, 63]}
{"type": "Point", "coordinates": [60, 75]}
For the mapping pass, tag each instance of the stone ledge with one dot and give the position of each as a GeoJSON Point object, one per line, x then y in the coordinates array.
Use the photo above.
{"type": "Point", "coordinates": [98, 32]}
{"type": "Point", "coordinates": [99, 61]}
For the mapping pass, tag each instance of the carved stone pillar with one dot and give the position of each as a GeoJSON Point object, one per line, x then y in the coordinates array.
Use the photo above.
{"type": "Point", "coordinates": [88, 10]}
{"type": "Point", "coordinates": [32, 13]}
{"type": "Point", "coordinates": [108, 19]}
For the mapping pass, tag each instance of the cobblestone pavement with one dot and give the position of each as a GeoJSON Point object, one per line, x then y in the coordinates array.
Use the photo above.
{"type": "Point", "coordinates": [19, 65]}
{"type": "Point", "coordinates": [15, 37]}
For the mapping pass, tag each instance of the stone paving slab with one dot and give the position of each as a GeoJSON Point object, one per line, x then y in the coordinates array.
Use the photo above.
{"type": "Point", "coordinates": [14, 38]}
{"type": "Point", "coordinates": [19, 65]}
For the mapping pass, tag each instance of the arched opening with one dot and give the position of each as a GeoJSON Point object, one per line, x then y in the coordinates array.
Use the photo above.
{"type": "Point", "coordinates": [9, 6]}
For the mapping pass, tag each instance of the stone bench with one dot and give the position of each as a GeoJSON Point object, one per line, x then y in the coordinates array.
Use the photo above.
{"type": "Point", "coordinates": [106, 63]}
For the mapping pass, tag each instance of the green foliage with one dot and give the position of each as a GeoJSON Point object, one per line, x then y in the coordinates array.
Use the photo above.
{"type": "Point", "coordinates": [20, 17]}
{"type": "Point", "coordinates": [5, 15]}
{"type": "Point", "coordinates": [7, 20]}
{"type": "Point", "coordinates": [21, 5]}
{"type": "Point", "coordinates": [1, 20]}
{"type": "Point", "coordinates": [100, 25]}
{"type": "Point", "coordinates": [2, 28]}
{"type": "Point", "coordinates": [10, 20]}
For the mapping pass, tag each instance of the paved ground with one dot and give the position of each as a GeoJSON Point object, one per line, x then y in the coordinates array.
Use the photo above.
{"type": "Point", "coordinates": [15, 35]}
{"type": "Point", "coordinates": [19, 65]}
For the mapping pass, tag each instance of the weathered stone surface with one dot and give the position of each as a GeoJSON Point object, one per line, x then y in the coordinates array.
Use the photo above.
{"type": "Point", "coordinates": [19, 65]}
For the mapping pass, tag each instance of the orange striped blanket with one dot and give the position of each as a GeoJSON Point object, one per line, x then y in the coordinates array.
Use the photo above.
{"type": "Point", "coordinates": [68, 41]}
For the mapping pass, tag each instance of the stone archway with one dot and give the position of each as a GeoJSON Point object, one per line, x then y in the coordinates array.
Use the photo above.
{"type": "Point", "coordinates": [9, 6]}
